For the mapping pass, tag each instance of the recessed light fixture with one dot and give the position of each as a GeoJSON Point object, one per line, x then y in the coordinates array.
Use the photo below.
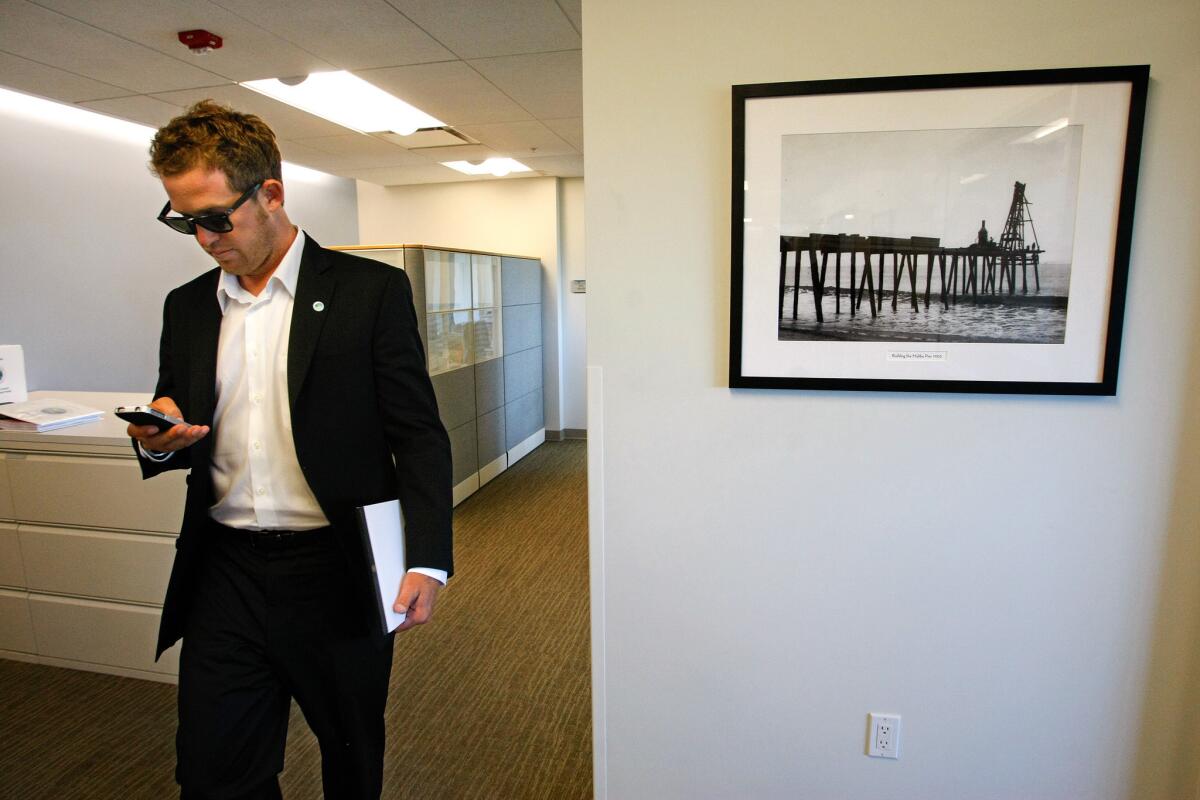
{"type": "Point", "coordinates": [492, 166]}
{"type": "Point", "coordinates": [347, 100]}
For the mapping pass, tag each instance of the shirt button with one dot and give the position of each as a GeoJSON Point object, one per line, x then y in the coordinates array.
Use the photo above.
{"type": "Point", "coordinates": [261, 490]}
{"type": "Point", "coordinates": [258, 398]}
{"type": "Point", "coordinates": [258, 445]}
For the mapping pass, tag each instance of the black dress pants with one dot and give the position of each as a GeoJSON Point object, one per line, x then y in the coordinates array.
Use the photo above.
{"type": "Point", "coordinates": [277, 617]}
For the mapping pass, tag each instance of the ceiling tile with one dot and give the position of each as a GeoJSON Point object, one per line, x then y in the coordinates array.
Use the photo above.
{"type": "Point", "coordinates": [519, 139]}
{"type": "Point", "coordinates": [404, 176]}
{"type": "Point", "coordinates": [357, 150]}
{"type": "Point", "coordinates": [574, 11]}
{"type": "Point", "coordinates": [48, 37]}
{"type": "Point", "coordinates": [351, 34]}
{"type": "Point", "coordinates": [547, 85]}
{"type": "Point", "coordinates": [137, 108]}
{"type": "Point", "coordinates": [450, 90]}
{"type": "Point", "coordinates": [29, 76]}
{"type": "Point", "coordinates": [473, 29]}
{"type": "Point", "coordinates": [559, 166]}
{"type": "Point", "coordinates": [248, 51]}
{"type": "Point", "coordinates": [287, 122]}
{"type": "Point", "coordinates": [519, 97]}
{"type": "Point", "coordinates": [569, 129]}
{"type": "Point", "coordinates": [298, 152]}
{"type": "Point", "coordinates": [465, 152]}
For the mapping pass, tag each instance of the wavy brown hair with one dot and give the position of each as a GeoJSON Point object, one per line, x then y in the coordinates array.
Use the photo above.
{"type": "Point", "coordinates": [214, 136]}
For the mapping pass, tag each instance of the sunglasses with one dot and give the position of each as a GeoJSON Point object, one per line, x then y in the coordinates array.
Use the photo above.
{"type": "Point", "coordinates": [217, 221]}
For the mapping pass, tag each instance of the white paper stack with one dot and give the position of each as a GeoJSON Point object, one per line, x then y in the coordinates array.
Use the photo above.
{"type": "Point", "coordinates": [45, 414]}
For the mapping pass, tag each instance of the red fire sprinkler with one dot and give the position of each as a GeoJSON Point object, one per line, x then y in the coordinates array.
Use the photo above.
{"type": "Point", "coordinates": [200, 41]}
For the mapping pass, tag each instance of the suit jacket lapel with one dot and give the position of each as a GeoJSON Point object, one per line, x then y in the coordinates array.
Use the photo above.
{"type": "Point", "coordinates": [203, 390]}
{"type": "Point", "coordinates": [314, 293]}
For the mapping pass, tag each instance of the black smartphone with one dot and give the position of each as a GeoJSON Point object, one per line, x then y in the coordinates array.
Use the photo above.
{"type": "Point", "coordinates": [145, 415]}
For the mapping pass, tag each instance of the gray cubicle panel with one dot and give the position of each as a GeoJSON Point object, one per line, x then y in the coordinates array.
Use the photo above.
{"type": "Point", "coordinates": [489, 397]}
{"type": "Point", "coordinates": [414, 265]}
{"type": "Point", "coordinates": [521, 298]}
{"type": "Point", "coordinates": [489, 408]}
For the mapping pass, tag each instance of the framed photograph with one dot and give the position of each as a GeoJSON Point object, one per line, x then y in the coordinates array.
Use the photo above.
{"type": "Point", "coordinates": [934, 233]}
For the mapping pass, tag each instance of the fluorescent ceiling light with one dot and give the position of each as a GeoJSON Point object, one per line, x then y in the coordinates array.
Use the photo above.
{"type": "Point", "coordinates": [91, 122]}
{"type": "Point", "coordinates": [74, 118]}
{"type": "Point", "coordinates": [493, 166]}
{"type": "Point", "coordinates": [347, 100]}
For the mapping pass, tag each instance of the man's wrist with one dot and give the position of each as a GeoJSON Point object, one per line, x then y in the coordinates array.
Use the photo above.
{"type": "Point", "coordinates": [438, 575]}
{"type": "Point", "coordinates": [153, 455]}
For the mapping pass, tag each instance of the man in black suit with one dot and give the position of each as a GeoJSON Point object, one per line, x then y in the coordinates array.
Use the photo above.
{"type": "Point", "coordinates": [302, 380]}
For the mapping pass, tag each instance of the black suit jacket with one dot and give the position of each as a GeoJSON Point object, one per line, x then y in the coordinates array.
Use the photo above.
{"type": "Point", "coordinates": [364, 417]}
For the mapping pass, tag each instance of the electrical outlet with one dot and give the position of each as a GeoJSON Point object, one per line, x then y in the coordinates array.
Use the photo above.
{"type": "Point", "coordinates": [883, 735]}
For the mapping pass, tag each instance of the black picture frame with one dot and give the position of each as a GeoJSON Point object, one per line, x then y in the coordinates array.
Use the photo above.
{"type": "Point", "coordinates": [1011, 313]}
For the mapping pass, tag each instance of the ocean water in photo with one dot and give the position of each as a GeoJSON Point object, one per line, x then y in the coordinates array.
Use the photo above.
{"type": "Point", "coordinates": [1037, 317]}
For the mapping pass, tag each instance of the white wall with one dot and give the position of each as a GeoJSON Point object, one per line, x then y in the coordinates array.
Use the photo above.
{"type": "Point", "coordinates": [1015, 576]}
{"type": "Point", "coordinates": [84, 267]}
{"type": "Point", "coordinates": [519, 216]}
{"type": "Point", "coordinates": [574, 322]}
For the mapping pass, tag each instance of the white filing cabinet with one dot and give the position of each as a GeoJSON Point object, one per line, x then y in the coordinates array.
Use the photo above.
{"type": "Point", "coordinates": [85, 546]}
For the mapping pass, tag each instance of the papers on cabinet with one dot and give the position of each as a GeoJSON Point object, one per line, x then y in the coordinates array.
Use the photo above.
{"type": "Point", "coordinates": [45, 414]}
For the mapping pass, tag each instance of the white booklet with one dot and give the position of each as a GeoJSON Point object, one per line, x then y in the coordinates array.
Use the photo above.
{"type": "Point", "coordinates": [45, 414]}
{"type": "Point", "coordinates": [12, 374]}
{"type": "Point", "coordinates": [382, 529]}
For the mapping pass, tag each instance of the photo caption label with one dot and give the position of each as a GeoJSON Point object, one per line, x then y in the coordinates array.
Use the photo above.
{"type": "Point", "coordinates": [916, 356]}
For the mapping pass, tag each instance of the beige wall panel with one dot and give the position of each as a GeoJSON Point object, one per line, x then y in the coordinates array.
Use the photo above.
{"type": "Point", "coordinates": [115, 566]}
{"type": "Point", "coordinates": [95, 492]}
{"type": "Point", "coordinates": [16, 629]}
{"type": "Point", "coordinates": [6, 501]}
{"type": "Point", "coordinates": [99, 633]}
{"type": "Point", "coordinates": [12, 573]}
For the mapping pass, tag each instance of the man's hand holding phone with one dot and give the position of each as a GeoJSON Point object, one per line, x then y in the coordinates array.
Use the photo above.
{"type": "Point", "coordinates": [167, 440]}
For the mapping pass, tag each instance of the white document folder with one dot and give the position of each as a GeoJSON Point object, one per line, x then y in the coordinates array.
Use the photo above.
{"type": "Point", "coordinates": [12, 374]}
{"type": "Point", "coordinates": [382, 529]}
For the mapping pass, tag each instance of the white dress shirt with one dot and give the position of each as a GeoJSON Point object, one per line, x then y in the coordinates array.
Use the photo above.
{"type": "Point", "coordinates": [257, 480]}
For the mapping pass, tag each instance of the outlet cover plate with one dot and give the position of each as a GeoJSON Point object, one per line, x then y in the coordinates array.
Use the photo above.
{"type": "Point", "coordinates": [883, 735]}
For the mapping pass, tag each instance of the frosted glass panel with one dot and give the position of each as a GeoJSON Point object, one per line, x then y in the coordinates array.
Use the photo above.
{"type": "Point", "coordinates": [487, 334]}
{"type": "Point", "coordinates": [447, 280]}
{"type": "Point", "coordinates": [486, 272]}
{"type": "Point", "coordinates": [391, 257]}
{"type": "Point", "coordinates": [449, 341]}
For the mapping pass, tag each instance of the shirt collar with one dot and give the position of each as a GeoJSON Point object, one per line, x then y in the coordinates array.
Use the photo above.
{"type": "Point", "coordinates": [285, 275]}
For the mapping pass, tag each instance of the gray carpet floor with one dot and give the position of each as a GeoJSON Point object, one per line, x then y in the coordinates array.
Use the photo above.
{"type": "Point", "coordinates": [491, 700]}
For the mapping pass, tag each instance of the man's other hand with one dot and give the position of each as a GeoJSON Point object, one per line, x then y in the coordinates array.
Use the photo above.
{"type": "Point", "coordinates": [418, 593]}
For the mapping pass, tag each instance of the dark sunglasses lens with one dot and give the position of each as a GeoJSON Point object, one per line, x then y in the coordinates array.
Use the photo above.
{"type": "Point", "coordinates": [181, 224]}
{"type": "Point", "coordinates": [217, 223]}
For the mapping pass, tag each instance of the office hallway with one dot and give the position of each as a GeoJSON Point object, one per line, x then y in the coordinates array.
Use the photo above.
{"type": "Point", "coordinates": [492, 700]}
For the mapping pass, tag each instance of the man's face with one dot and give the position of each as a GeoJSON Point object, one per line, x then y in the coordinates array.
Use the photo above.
{"type": "Point", "coordinates": [245, 250]}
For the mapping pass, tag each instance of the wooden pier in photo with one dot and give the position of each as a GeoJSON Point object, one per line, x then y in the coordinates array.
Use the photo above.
{"type": "Point", "coordinates": [984, 271]}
